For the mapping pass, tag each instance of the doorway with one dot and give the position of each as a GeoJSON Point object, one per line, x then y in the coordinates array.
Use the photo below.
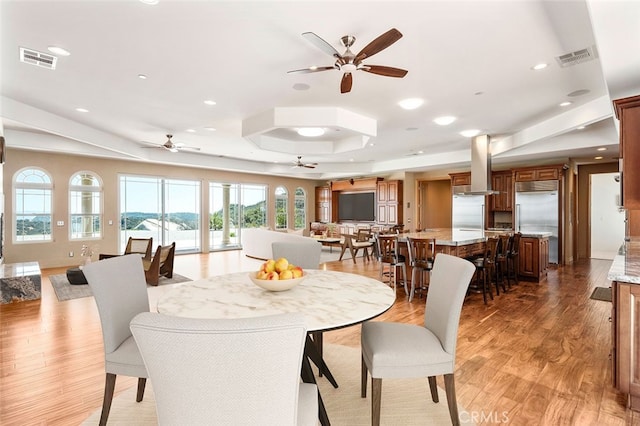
{"type": "Point", "coordinates": [606, 218]}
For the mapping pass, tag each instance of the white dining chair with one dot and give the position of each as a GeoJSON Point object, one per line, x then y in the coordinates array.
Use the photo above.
{"type": "Point", "coordinates": [398, 350]}
{"type": "Point", "coordinates": [120, 291]}
{"type": "Point", "coordinates": [243, 371]}
{"type": "Point", "coordinates": [304, 254]}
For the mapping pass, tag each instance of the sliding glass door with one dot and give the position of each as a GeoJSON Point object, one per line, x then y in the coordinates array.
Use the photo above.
{"type": "Point", "coordinates": [166, 209]}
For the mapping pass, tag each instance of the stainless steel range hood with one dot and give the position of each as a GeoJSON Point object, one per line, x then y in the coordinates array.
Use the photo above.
{"type": "Point", "coordinates": [480, 168]}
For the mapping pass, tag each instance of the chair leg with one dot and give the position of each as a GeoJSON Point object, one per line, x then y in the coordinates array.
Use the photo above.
{"type": "Point", "coordinates": [363, 378]}
{"type": "Point", "coordinates": [141, 384]}
{"type": "Point", "coordinates": [414, 277]}
{"type": "Point", "coordinates": [450, 388]}
{"type": "Point", "coordinates": [109, 387]}
{"type": "Point", "coordinates": [433, 386]}
{"type": "Point", "coordinates": [376, 396]}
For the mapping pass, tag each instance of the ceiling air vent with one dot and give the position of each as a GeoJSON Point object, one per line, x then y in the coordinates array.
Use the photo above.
{"type": "Point", "coordinates": [39, 59]}
{"type": "Point", "coordinates": [577, 57]}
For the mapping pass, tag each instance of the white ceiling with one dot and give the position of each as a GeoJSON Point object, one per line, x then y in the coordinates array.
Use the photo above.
{"type": "Point", "coordinates": [469, 59]}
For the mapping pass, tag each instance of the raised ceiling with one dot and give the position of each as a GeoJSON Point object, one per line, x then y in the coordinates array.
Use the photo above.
{"type": "Point", "coordinates": [471, 60]}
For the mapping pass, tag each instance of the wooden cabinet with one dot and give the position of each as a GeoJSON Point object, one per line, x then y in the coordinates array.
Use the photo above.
{"type": "Point", "coordinates": [626, 341]}
{"type": "Point", "coordinates": [628, 112]}
{"type": "Point", "coordinates": [458, 179]}
{"type": "Point", "coordinates": [538, 173]}
{"type": "Point", "coordinates": [323, 204]}
{"type": "Point", "coordinates": [503, 183]}
{"type": "Point", "coordinates": [533, 258]}
{"type": "Point", "coordinates": [389, 202]}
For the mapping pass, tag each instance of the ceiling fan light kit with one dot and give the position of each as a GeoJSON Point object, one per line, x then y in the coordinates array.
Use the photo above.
{"type": "Point", "coordinates": [348, 62]}
{"type": "Point", "coordinates": [170, 146]}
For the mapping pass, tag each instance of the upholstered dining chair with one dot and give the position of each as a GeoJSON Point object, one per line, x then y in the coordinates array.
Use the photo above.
{"type": "Point", "coordinates": [399, 350]}
{"type": "Point", "coordinates": [304, 254]}
{"type": "Point", "coordinates": [243, 371]}
{"type": "Point", "coordinates": [120, 292]}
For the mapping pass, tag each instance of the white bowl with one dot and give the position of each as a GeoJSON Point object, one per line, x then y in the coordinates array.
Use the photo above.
{"type": "Point", "coordinates": [276, 285]}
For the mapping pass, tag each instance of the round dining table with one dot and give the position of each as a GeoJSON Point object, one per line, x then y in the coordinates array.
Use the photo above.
{"type": "Point", "coordinates": [328, 300]}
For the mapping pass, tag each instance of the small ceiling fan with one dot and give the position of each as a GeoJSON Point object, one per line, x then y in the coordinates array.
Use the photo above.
{"type": "Point", "coordinates": [348, 62]}
{"type": "Point", "coordinates": [169, 145]}
{"type": "Point", "coordinates": [299, 163]}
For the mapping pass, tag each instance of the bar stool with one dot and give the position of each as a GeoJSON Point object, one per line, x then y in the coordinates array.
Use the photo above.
{"type": "Point", "coordinates": [421, 256]}
{"type": "Point", "coordinates": [513, 257]}
{"type": "Point", "coordinates": [387, 246]}
{"type": "Point", "coordinates": [504, 246]}
{"type": "Point", "coordinates": [485, 266]}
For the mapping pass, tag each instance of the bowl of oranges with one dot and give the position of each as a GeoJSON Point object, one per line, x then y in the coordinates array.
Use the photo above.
{"type": "Point", "coordinates": [277, 275]}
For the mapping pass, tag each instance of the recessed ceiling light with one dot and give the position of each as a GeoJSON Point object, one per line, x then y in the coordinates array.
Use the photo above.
{"type": "Point", "coordinates": [211, 129]}
{"type": "Point", "coordinates": [602, 148]}
{"type": "Point", "coordinates": [58, 51]}
{"type": "Point", "coordinates": [210, 102]}
{"type": "Point", "coordinates": [142, 76]}
{"type": "Point", "coordinates": [190, 130]}
{"type": "Point", "coordinates": [82, 110]}
{"type": "Point", "coordinates": [445, 121]}
{"type": "Point", "coordinates": [351, 159]}
{"type": "Point", "coordinates": [580, 127]}
{"type": "Point", "coordinates": [311, 131]}
{"type": "Point", "coordinates": [149, 1]}
{"type": "Point", "coordinates": [372, 144]}
{"type": "Point", "coordinates": [564, 104]}
{"type": "Point", "coordinates": [411, 103]}
{"type": "Point", "coordinates": [470, 133]}
{"type": "Point", "coordinates": [539, 67]}
{"type": "Point", "coordinates": [579, 92]}
{"type": "Point", "coordinates": [597, 158]}
{"type": "Point", "coordinates": [421, 152]}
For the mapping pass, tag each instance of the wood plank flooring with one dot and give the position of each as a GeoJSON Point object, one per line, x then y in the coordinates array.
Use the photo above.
{"type": "Point", "coordinates": [537, 355]}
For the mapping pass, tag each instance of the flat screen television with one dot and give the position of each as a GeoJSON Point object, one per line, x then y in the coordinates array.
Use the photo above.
{"type": "Point", "coordinates": [357, 206]}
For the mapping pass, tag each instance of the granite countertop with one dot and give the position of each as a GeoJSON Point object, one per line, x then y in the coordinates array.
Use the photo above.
{"type": "Point", "coordinates": [460, 237]}
{"type": "Point", "coordinates": [626, 264]}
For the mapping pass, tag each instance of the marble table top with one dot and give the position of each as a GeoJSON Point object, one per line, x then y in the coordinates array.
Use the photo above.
{"type": "Point", "coordinates": [328, 299]}
{"type": "Point", "coordinates": [626, 264]}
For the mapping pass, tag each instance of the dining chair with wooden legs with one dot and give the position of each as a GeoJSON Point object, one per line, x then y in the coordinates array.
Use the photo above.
{"type": "Point", "coordinates": [399, 350]}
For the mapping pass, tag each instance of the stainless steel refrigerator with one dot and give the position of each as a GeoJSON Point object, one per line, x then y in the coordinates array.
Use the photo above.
{"type": "Point", "coordinates": [537, 206]}
{"type": "Point", "coordinates": [467, 211]}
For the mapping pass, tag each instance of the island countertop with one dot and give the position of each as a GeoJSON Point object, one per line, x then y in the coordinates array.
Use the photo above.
{"type": "Point", "coordinates": [459, 237]}
{"type": "Point", "coordinates": [626, 264]}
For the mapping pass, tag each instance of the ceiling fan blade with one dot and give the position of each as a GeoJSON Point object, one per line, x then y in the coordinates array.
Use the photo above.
{"type": "Point", "coordinates": [321, 44]}
{"type": "Point", "coordinates": [346, 83]}
{"type": "Point", "coordinates": [312, 69]}
{"type": "Point", "coordinates": [386, 71]}
{"type": "Point", "coordinates": [309, 166]}
{"type": "Point", "coordinates": [380, 43]}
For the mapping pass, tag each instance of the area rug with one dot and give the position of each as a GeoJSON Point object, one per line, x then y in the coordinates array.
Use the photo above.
{"type": "Point", "coordinates": [601, 293]}
{"type": "Point", "coordinates": [65, 291]}
{"type": "Point", "coordinates": [404, 401]}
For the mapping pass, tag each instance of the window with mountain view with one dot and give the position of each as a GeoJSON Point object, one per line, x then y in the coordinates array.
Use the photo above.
{"type": "Point", "coordinates": [166, 209]}
{"type": "Point", "coordinates": [300, 213]}
{"type": "Point", "coordinates": [33, 191]}
{"type": "Point", "coordinates": [282, 200]}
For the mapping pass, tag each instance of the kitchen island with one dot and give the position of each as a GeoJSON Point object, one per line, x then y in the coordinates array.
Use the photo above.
{"type": "Point", "coordinates": [625, 325]}
{"type": "Point", "coordinates": [533, 250]}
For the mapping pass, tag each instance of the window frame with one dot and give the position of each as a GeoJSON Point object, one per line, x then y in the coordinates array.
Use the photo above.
{"type": "Point", "coordinates": [99, 188]}
{"type": "Point", "coordinates": [45, 186]}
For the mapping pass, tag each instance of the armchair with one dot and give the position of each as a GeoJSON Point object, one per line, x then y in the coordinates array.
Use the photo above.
{"type": "Point", "coordinates": [160, 265]}
{"type": "Point", "coordinates": [134, 245]}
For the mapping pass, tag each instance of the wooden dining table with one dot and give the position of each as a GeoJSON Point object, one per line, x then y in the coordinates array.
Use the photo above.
{"type": "Point", "coordinates": [329, 300]}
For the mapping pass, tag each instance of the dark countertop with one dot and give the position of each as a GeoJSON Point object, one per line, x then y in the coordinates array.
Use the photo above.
{"type": "Point", "coordinates": [460, 237]}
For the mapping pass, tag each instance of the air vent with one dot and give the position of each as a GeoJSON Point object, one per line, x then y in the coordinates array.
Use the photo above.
{"type": "Point", "coordinates": [39, 59]}
{"type": "Point", "coordinates": [577, 57]}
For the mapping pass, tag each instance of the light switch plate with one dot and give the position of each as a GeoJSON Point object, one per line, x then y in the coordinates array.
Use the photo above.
{"type": "Point", "coordinates": [60, 223]}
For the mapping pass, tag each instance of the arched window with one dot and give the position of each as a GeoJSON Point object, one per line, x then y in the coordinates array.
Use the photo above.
{"type": "Point", "coordinates": [85, 210]}
{"type": "Point", "coordinates": [282, 200]}
{"type": "Point", "coordinates": [300, 213]}
{"type": "Point", "coordinates": [32, 205]}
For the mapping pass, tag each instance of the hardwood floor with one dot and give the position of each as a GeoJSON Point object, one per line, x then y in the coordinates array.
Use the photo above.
{"type": "Point", "coordinates": [537, 355]}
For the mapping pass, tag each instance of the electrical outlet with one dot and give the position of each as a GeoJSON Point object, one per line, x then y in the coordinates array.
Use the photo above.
{"type": "Point", "coordinates": [110, 222]}
{"type": "Point", "coordinates": [60, 223]}
{"type": "Point", "coordinates": [70, 254]}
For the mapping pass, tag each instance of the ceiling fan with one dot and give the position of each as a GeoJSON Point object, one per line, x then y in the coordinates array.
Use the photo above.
{"type": "Point", "coordinates": [169, 145]}
{"type": "Point", "coordinates": [348, 62]}
{"type": "Point", "coordinates": [299, 163]}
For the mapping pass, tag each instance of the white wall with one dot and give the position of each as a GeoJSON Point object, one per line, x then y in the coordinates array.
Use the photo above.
{"type": "Point", "coordinates": [607, 221]}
